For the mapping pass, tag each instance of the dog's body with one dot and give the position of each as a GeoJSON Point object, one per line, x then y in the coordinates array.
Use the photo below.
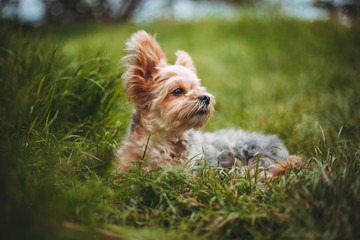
{"type": "Point", "coordinates": [170, 103]}
{"type": "Point", "coordinates": [223, 147]}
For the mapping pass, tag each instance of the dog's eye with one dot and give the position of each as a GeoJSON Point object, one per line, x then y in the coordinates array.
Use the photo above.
{"type": "Point", "coordinates": [178, 92]}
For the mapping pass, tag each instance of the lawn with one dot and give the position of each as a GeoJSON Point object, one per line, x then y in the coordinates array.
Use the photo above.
{"type": "Point", "coordinates": [63, 114]}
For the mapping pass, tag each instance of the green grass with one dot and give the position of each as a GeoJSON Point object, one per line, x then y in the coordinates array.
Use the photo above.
{"type": "Point", "coordinates": [63, 113]}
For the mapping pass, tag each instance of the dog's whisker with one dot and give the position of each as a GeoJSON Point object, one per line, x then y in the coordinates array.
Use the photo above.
{"type": "Point", "coordinates": [193, 110]}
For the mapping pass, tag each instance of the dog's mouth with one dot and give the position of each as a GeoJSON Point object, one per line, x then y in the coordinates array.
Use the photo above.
{"type": "Point", "coordinates": [199, 110]}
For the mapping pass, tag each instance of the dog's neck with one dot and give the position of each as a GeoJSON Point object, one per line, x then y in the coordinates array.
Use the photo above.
{"type": "Point", "coordinates": [172, 145]}
{"type": "Point", "coordinates": [143, 125]}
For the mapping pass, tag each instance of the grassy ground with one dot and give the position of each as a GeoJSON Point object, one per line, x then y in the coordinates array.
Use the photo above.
{"type": "Point", "coordinates": [63, 113]}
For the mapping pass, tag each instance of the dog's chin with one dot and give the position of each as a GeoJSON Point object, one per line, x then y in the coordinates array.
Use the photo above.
{"type": "Point", "coordinates": [200, 113]}
{"type": "Point", "coordinates": [186, 118]}
{"type": "Point", "coordinates": [199, 118]}
{"type": "Point", "coordinates": [195, 121]}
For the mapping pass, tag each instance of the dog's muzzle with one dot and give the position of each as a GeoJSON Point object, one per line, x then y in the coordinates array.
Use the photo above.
{"type": "Point", "coordinates": [203, 105]}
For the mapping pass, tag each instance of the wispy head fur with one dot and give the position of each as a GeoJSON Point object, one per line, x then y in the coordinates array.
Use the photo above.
{"type": "Point", "coordinates": [143, 62]}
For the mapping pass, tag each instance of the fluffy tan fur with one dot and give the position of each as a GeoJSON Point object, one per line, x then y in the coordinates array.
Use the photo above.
{"type": "Point", "coordinates": [160, 115]}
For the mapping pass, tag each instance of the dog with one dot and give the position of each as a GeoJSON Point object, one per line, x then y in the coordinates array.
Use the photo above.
{"type": "Point", "coordinates": [170, 106]}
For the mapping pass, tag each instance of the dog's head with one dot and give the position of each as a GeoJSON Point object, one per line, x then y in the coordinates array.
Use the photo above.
{"type": "Point", "coordinates": [170, 96]}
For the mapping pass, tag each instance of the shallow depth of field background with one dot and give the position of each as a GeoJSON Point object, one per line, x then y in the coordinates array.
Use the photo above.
{"type": "Point", "coordinates": [290, 68]}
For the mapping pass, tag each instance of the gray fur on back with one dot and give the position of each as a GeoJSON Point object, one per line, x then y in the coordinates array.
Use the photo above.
{"type": "Point", "coordinates": [223, 147]}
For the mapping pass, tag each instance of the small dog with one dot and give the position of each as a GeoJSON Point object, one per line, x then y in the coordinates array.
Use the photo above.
{"type": "Point", "coordinates": [170, 104]}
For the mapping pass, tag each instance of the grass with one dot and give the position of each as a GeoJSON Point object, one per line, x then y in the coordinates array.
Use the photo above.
{"type": "Point", "coordinates": [63, 114]}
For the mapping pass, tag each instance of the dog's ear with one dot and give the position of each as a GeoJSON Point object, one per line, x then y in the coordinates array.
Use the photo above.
{"type": "Point", "coordinates": [143, 62]}
{"type": "Point", "coordinates": [184, 59]}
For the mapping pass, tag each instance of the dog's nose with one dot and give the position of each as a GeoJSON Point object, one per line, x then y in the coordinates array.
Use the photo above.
{"type": "Point", "coordinates": [204, 98]}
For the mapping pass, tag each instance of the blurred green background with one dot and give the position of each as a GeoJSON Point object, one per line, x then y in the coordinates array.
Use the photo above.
{"type": "Point", "coordinates": [290, 68]}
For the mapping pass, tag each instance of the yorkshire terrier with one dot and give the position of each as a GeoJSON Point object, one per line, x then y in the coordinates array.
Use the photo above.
{"type": "Point", "coordinates": [170, 105]}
